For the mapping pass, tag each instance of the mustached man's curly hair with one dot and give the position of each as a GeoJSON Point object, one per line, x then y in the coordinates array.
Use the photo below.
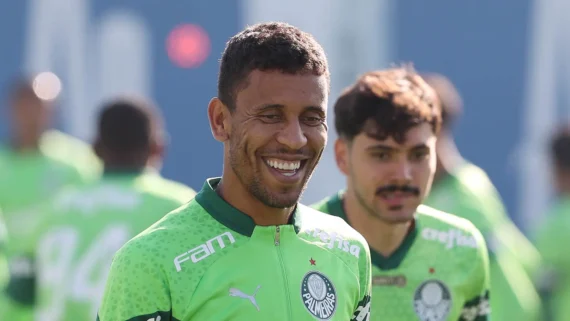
{"type": "Point", "coordinates": [387, 103]}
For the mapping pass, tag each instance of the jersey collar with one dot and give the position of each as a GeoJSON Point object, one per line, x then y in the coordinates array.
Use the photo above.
{"type": "Point", "coordinates": [393, 261]}
{"type": "Point", "coordinates": [228, 215]}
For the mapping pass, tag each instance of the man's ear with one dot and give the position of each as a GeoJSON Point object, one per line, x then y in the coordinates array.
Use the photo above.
{"type": "Point", "coordinates": [157, 150]}
{"type": "Point", "coordinates": [341, 151]}
{"type": "Point", "coordinates": [219, 116]}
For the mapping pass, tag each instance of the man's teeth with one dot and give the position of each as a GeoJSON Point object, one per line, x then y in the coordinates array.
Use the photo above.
{"type": "Point", "coordinates": [284, 165]}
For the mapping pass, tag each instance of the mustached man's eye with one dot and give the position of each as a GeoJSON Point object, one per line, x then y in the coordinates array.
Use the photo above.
{"type": "Point", "coordinates": [383, 156]}
{"type": "Point", "coordinates": [419, 155]}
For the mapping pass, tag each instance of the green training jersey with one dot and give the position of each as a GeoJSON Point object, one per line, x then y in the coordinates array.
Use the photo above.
{"type": "Point", "coordinates": [469, 193]}
{"type": "Point", "coordinates": [439, 273]}
{"type": "Point", "coordinates": [83, 227]}
{"type": "Point", "coordinates": [207, 261]}
{"type": "Point", "coordinates": [27, 179]}
{"type": "Point", "coordinates": [554, 278]}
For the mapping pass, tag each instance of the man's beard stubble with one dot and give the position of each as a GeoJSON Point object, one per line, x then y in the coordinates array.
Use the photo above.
{"type": "Point", "coordinates": [253, 183]}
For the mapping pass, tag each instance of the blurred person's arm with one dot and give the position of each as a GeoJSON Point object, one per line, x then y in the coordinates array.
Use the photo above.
{"type": "Point", "coordinates": [483, 207]}
{"type": "Point", "coordinates": [514, 295]}
{"type": "Point", "coordinates": [550, 239]}
{"type": "Point", "coordinates": [507, 234]}
{"type": "Point", "coordinates": [482, 204]}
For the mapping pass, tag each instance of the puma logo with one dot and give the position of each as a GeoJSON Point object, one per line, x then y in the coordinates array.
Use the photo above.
{"type": "Point", "coordinates": [238, 293]}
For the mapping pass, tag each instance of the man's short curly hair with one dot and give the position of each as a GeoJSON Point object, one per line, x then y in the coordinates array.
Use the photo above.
{"type": "Point", "coordinates": [268, 46]}
{"type": "Point", "coordinates": [560, 148]}
{"type": "Point", "coordinates": [385, 104]}
{"type": "Point", "coordinates": [128, 124]}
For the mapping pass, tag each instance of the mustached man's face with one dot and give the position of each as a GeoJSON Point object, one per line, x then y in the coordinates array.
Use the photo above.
{"type": "Point", "coordinates": [390, 180]}
{"type": "Point", "coordinates": [278, 133]}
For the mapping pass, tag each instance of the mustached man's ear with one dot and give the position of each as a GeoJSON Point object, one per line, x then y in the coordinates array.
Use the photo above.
{"type": "Point", "coordinates": [219, 116]}
{"type": "Point", "coordinates": [341, 150]}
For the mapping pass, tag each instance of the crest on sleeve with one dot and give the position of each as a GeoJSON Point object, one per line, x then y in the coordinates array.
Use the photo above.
{"type": "Point", "coordinates": [318, 295]}
{"type": "Point", "coordinates": [432, 301]}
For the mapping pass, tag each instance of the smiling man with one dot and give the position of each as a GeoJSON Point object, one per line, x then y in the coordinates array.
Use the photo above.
{"type": "Point", "coordinates": [427, 265]}
{"type": "Point", "coordinates": [244, 249]}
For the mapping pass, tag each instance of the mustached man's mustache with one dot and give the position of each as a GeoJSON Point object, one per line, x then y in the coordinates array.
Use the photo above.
{"type": "Point", "coordinates": [406, 189]}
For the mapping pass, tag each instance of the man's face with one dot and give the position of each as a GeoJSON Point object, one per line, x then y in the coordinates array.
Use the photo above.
{"type": "Point", "coordinates": [278, 133]}
{"type": "Point", "coordinates": [30, 117]}
{"type": "Point", "coordinates": [390, 180]}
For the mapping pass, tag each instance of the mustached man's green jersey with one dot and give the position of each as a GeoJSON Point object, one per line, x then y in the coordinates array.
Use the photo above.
{"type": "Point", "coordinates": [469, 193]}
{"type": "Point", "coordinates": [440, 271]}
{"type": "Point", "coordinates": [552, 239]}
{"type": "Point", "coordinates": [207, 261]}
{"type": "Point", "coordinates": [27, 180]}
{"type": "Point", "coordinates": [80, 231]}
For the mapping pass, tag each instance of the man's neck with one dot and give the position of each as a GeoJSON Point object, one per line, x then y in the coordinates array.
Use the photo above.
{"type": "Point", "coordinates": [111, 169]}
{"type": "Point", "coordinates": [563, 188]}
{"type": "Point", "coordinates": [236, 194]}
{"type": "Point", "coordinates": [24, 146]}
{"type": "Point", "coordinates": [382, 237]}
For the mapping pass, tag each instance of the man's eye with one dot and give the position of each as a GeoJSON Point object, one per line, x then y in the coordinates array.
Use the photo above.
{"type": "Point", "coordinates": [381, 156]}
{"type": "Point", "coordinates": [420, 155]}
{"type": "Point", "coordinates": [313, 121]}
{"type": "Point", "coordinates": [270, 117]}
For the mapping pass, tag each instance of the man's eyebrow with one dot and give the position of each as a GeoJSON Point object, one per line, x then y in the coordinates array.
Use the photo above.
{"type": "Point", "coordinates": [420, 146]}
{"type": "Point", "coordinates": [317, 109]}
{"type": "Point", "coordinates": [265, 107]}
{"type": "Point", "coordinates": [380, 147]}
{"type": "Point", "coordinates": [390, 148]}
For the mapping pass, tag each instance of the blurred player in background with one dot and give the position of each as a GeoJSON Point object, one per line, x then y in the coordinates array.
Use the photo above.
{"type": "Point", "coordinates": [462, 188]}
{"type": "Point", "coordinates": [28, 176]}
{"type": "Point", "coordinates": [427, 265]}
{"type": "Point", "coordinates": [553, 235]}
{"type": "Point", "coordinates": [244, 248]}
{"type": "Point", "coordinates": [84, 225]}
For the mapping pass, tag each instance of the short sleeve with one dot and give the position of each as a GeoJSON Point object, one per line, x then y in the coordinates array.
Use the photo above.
{"type": "Point", "coordinates": [137, 288]}
{"type": "Point", "coordinates": [477, 306]}
{"type": "Point", "coordinates": [362, 309]}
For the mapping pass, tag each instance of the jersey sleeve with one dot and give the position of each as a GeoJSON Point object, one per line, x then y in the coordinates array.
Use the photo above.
{"type": "Point", "coordinates": [362, 310]}
{"type": "Point", "coordinates": [555, 259]}
{"type": "Point", "coordinates": [477, 307]}
{"type": "Point", "coordinates": [137, 287]}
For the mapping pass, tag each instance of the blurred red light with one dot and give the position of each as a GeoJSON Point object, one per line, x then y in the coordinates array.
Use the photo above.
{"type": "Point", "coordinates": [188, 45]}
